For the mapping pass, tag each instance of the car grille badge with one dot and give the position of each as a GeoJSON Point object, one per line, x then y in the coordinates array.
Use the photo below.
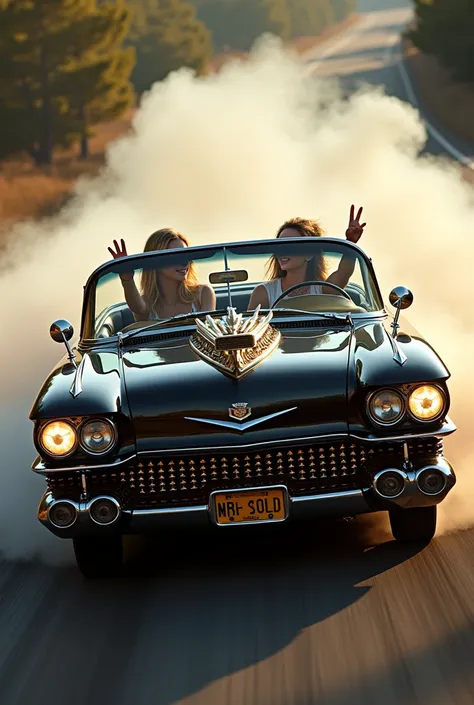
{"type": "Point", "coordinates": [235, 344]}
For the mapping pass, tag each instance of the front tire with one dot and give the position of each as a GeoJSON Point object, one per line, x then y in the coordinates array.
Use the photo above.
{"type": "Point", "coordinates": [98, 557]}
{"type": "Point", "coordinates": [417, 525]}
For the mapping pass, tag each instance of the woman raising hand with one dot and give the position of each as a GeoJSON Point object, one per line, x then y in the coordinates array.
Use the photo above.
{"type": "Point", "coordinates": [168, 291]}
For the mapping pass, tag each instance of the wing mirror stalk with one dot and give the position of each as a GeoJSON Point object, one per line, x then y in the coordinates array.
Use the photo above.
{"type": "Point", "coordinates": [61, 332]}
{"type": "Point", "coordinates": [400, 298]}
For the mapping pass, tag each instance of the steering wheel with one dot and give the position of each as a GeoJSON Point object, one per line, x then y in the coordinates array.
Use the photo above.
{"type": "Point", "coordinates": [311, 282]}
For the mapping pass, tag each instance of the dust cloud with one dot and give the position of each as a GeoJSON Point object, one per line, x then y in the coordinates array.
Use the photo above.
{"type": "Point", "coordinates": [229, 157]}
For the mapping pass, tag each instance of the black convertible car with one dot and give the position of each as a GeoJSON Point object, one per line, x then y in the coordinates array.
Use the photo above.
{"type": "Point", "coordinates": [325, 405]}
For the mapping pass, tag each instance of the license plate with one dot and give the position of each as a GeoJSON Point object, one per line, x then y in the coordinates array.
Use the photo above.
{"type": "Point", "coordinates": [250, 506]}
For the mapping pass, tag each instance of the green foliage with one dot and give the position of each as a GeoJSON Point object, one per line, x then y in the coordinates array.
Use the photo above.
{"type": "Point", "coordinates": [445, 29]}
{"type": "Point", "coordinates": [166, 35]}
{"type": "Point", "coordinates": [61, 70]}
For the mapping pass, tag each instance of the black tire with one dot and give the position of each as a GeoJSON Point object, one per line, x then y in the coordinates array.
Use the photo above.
{"type": "Point", "coordinates": [416, 525]}
{"type": "Point", "coordinates": [99, 557]}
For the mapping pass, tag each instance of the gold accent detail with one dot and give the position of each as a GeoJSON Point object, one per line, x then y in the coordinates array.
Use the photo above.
{"type": "Point", "coordinates": [237, 362]}
{"type": "Point", "coordinates": [240, 411]}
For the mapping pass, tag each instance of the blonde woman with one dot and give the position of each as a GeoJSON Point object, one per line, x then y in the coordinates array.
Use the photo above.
{"type": "Point", "coordinates": [168, 291]}
{"type": "Point", "coordinates": [285, 272]}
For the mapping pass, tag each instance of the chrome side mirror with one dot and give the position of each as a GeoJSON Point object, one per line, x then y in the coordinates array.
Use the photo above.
{"type": "Point", "coordinates": [401, 298]}
{"type": "Point", "coordinates": [61, 332]}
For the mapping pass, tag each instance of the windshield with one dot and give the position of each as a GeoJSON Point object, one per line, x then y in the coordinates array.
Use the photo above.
{"type": "Point", "coordinates": [135, 291]}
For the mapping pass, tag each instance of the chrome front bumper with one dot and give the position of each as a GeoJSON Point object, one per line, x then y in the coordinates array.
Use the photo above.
{"type": "Point", "coordinates": [337, 505]}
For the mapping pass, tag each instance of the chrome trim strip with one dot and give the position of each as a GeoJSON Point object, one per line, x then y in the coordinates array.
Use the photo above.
{"type": "Point", "coordinates": [242, 446]}
{"type": "Point", "coordinates": [76, 386]}
{"type": "Point", "coordinates": [39, 467]}
{"type": "Point", "coordinates": [446, 429]}
{"type": "Point", "coordinates": [240, 426]}
{"type": "Point", "coordinates": [165, 510]}
{"type": "Point", "coordinates": [345, 494]}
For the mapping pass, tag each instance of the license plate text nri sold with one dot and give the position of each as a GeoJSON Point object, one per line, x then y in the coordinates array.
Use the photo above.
{"type": "Point", "coordinates": [250, 506]}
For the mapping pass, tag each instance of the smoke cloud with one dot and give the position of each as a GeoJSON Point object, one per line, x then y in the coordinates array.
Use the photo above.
{"type": "Point", "coordinates": [228, 157]}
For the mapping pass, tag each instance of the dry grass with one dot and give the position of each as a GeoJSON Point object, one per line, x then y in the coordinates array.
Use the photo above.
{"type": "Point", "coordinates": [27, 191]}
{"type": "Point", "coordinates": [451, 103]}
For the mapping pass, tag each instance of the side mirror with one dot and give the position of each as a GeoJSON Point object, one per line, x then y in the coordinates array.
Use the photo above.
{"type": "Point", "coordinates": [61, 332]}
{"type": "Point", "coordinates": [401, 298]}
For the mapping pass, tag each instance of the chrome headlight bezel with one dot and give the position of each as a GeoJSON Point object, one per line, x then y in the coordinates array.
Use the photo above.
{"type": "Point", "coordinates": [48, 453]}
{"type": "Point", "coordinates": [403, 407]}
{"type": "Point", "coordinates": [114, 434]}
{"type": "Point", "coordinates": [442, 411]}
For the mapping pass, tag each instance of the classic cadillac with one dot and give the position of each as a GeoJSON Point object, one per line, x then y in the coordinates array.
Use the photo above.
{"type": "Point", "coordinates": [324, 405]}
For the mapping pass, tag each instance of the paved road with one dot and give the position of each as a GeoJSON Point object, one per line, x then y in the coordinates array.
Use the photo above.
{"type": "Point", "coordinates": [334, 614]}
{"type": "Point", "coordinates": [370, 52]}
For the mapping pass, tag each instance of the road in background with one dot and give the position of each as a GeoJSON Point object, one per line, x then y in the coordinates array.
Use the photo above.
{"type": "Point", "coordinates": [370, 51]}
{"type": "Point", "coordinates": [333, 614]}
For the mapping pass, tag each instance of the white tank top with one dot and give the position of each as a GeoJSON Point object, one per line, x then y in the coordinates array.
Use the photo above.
{"type": "Point", "coordinates": [274, 290]}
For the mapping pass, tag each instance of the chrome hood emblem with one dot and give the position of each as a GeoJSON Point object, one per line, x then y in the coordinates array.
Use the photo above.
{"type": "Point", "coordinates": [235, 344]}
{"type": "Point", "coordinates": [240, 410]}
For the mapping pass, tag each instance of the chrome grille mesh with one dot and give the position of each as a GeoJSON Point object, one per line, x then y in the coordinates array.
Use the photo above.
{"type": "Point", "coordinates": [188, 479]}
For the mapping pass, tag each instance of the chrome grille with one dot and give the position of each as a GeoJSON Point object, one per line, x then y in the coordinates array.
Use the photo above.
{"type": "Point", "coordinates": [188, 479]}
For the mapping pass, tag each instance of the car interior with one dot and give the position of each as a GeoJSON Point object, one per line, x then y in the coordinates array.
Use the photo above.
{"type": "Point", "coordinates": [120, 316]}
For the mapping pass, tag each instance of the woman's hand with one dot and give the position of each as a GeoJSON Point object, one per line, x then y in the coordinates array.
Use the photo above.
{"type": "Point", "coordinates": [355, 229]}
{"type": "Point", "coordinates": [121, 252]}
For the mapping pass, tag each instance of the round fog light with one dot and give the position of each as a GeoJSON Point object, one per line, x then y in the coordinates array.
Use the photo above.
{"type": "Point", "coordinates": [104, 510]}
{"type": "Point", "coordinates": [390, 484]}
{"type": "Point", "coordinates": [431, 481]}
{"type": "Point", "coordinates": [62, 514]}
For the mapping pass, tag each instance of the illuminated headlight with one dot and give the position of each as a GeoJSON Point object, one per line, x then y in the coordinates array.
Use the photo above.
{"type": "Point", "coordinates": [98, 436]}
{"type": "Point", "coordinates": [58, 438]}
{"type": "Point", "coordinates": [386, 407]}
{"type": "Point", "coordinates": [426, 403]}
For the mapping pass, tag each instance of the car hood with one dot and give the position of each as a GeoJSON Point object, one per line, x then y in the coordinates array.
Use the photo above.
{"type": "Point", "coordinates": [313, 384]}
{"type": "Point", "coordinates": [180, 401]}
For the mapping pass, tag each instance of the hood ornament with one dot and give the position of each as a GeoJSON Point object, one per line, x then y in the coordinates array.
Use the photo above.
{"type": "Point", "coordinates": [235, 344]}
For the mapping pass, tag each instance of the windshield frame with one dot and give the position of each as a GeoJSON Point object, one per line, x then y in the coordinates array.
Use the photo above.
{"type": "Point", "coordinates": [122, 264]}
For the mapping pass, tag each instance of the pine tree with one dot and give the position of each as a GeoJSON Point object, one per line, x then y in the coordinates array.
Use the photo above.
{"type": "Point", "coordinates": [445, 29]}
{"type": "Point", "coordinates": [101, 89]}
{"type": "Point", "coordinates": [167, 35]}
{"type": "Point", "coordinates": [53, 64]}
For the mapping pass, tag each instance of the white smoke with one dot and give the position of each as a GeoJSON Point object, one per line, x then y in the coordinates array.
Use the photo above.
{"type": "Point", "coordinates": [228, 157]}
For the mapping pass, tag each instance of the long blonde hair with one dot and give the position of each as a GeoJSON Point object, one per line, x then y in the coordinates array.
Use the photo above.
{"type": "Point", "coordinates": [316, 268]}
{"type": "Point", "coordinates": [150, 279]}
